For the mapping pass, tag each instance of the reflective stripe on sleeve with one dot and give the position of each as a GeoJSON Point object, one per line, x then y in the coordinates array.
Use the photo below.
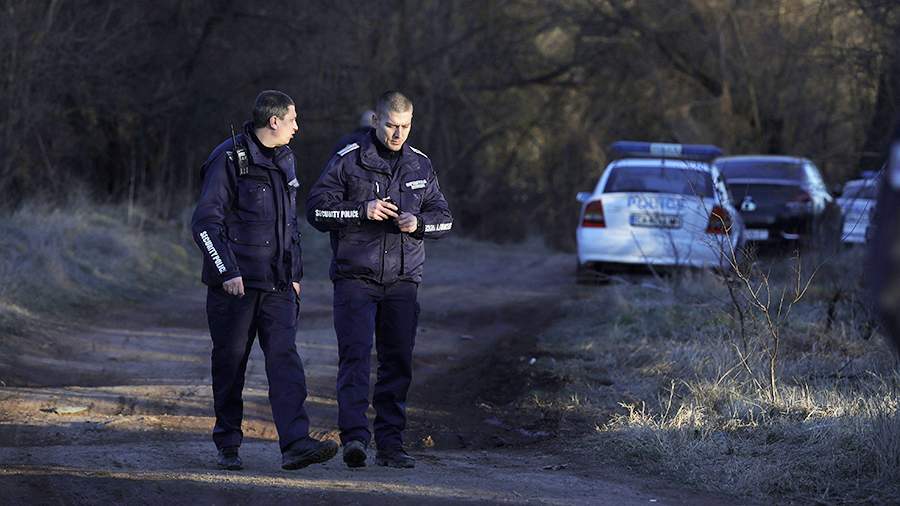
{"type": "Point", "coordinates": [220, 265]}
{"type": "Point", "coordinates": [342, 214]}
{"type": "Point", "coordinates": [440, 227]}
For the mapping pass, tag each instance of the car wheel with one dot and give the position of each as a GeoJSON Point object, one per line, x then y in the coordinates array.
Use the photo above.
{"type": "Point", "coordinates": [590, 274]}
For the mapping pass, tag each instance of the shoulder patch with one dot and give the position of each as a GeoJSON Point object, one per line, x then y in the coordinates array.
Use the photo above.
{"type": "Point", "coordinates": [414, 150]}
{"type": "Point", "coordinates": [348, 148]}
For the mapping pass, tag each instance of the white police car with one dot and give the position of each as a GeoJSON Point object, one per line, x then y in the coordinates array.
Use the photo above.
{"type": "Point", "coordinates": [660, 205]}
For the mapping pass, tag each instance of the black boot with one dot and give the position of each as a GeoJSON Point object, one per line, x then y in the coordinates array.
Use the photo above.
{"type": "Point", "coordinates": [229, 459]}
{"type": "Point", "coordinates": [355, 454]}
{"type": "Point", "coordinates": [304, 452]}
{"type": "Point", "coordinates": [395, 457]}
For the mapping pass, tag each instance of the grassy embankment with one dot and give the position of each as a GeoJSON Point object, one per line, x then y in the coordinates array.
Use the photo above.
{"type": "Point", "coordinates": [657, 376]}
{"type": "Point", "coordinates": [60, 267]}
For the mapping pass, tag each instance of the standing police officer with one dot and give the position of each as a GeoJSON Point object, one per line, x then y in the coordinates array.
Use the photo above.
{"type": "Point", "coordinates": [245, 224]}
{"type": "Point", "coordinates": [362, 131]}
{"type": "Point", "coordinates": [883, 263]}
{"type": "Point", "coordinates": [379, 198]}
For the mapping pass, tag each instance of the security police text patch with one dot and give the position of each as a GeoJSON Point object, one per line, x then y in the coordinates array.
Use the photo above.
{"type": "Point", "coordinates": [417, 184]}
{"type": "Point", "coordinates": [213, 254]}
{"type": "Point", "coordinates": [439, 227]}
{"type": "Point", "coordinates": [341, 214]}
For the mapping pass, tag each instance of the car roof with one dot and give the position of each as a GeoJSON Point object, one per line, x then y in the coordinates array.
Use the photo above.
{"type": "Point", "coordinates": [762, 158]}
{"type": "Point", "coordinates": [674, 163]}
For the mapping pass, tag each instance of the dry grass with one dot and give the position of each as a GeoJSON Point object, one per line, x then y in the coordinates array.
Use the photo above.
{"type": "Point", "coordinates": [65, 263]}
{"type": "Point", "coordinates": [682, 402]}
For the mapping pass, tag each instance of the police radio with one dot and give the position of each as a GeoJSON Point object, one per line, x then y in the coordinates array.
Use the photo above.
{"type": "Point", "coordinates": [239, 156]}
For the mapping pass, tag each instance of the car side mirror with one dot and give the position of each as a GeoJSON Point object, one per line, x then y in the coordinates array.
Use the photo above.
{"type": "Point", "coordinates": [583, 197]}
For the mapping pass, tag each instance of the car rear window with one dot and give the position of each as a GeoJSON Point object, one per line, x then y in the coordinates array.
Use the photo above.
{"type": "Point", "coordinates": [860, 190]}
{"type": "Point", "coordinates": [740, 169]}
{"type": "Point", "coordinates": [659, 179]}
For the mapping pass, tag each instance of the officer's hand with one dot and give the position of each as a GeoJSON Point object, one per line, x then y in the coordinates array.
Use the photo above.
{"type": "Point", "coordinates": [407, 222]}
{"type": "Point", "coordinates": [296, 288]}
{"type": "Point", "coordinates": [234, 286]}
{"type": "Point", "coordinates": [380, 210]}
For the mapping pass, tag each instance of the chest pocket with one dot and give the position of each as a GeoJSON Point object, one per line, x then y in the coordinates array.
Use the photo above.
{"type": "Point", "coordinates": [255, 201]}
{"type": "Point", "coordinates": [360, 188]}
{"type": "Point", "coordinates": [412, 191]}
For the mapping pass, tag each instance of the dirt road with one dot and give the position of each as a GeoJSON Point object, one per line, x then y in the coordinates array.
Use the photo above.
{"type": "Point", "coordinates": [120, 410]}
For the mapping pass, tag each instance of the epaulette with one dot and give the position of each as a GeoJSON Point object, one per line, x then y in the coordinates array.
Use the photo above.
{"type": "Point", "coordinates": [414, 150]}
{"type": "Point", "coordinates": [348, 148]}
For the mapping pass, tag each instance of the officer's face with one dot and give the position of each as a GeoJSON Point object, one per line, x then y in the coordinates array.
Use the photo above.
{"type": "Point", "coordinates": [392, 128]}
{"type": "Point", "coordinates": [284, 128]}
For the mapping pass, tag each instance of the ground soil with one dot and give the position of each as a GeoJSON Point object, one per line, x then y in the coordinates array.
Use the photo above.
{"type": "Point", "coordinates": [118, 408]}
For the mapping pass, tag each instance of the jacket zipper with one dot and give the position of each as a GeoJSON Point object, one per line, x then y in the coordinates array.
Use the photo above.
{"type": "Point", "coordinates": [383, 244]}
{"type": "Point", "coordinates": [280, 221]}
{"type": "Point", "coordinates": [384, 231]}
{"type": "Point", "coordinates": [383, 236]}
{"type": "Point", "coordinates": [279, 237]}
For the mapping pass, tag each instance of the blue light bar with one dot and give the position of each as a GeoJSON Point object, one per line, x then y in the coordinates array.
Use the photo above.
{"type": "Point", "coordinates": [666, 150]}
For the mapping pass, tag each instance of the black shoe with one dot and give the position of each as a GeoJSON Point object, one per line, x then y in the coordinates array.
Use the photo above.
{"type": "Point", "coordinates": [229, 459]}
{"type": "Point", "coordinates": [307, 451]}
{"type": "Point", "coordinates": [396, 457]}
{"type": "Point", "coordinates": [355, 454]}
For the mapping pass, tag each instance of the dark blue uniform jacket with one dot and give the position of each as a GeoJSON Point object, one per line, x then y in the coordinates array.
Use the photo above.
{"type": "Point", "coordinates": [357, 136]}
{"type": "Point", "coordinates": [883, 261]}
{"type": "Point", "coordinates": [376, 250]}
{"type": "Point", "coordinates": [246, 225]}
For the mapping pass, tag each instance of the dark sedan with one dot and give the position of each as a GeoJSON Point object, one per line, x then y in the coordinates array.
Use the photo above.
{"type": "Point", "coordinates": [781, 199]}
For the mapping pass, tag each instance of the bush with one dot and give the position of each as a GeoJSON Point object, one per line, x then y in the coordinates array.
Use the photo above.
{"type": "Point", "coordinates": [691, 399]}
{"type": "Point", "coordinates": [62, 263]}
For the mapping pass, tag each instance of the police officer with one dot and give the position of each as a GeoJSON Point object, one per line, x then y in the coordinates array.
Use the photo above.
{"type": "Point", "coordinates": [883, 265]}
{"type": "Point", "coordinates": [245, 224]}
{"type": "Point", "coordinates": [362, 131]}
{"type": "Point", "coordinates": [379, 198]}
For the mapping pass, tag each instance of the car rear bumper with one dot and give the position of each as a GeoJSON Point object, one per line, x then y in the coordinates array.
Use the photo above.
{"type": "Point", "coordinates": [855, 236]}
{"type": "Point", "coordinates": [855, 228]}
{"type": "Point", "coordinates": [651, 247]}
{"type": "Point", "coordinates": [776, 229]}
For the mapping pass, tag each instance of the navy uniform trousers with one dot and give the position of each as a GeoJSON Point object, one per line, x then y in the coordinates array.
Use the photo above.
{"type": "Point", "coordinates": [390, 313]}
{"type": "Point", "coordinates": [234, 323]}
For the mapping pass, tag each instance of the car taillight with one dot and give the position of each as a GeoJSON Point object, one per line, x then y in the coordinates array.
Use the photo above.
{"type": "Point", "coordinates": [719, 221]}
{"type": "Point", "coordinates": [593, 215]}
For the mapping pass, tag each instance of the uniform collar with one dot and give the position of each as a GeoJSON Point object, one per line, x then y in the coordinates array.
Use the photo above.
{"type": "Point", "coordinates": [368, 155]}
{"type": "Point", "coordinates": [281, 159]}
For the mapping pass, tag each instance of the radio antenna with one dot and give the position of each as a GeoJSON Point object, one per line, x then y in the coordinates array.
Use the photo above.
{"type": "Point", "coordinates": [243, 163]}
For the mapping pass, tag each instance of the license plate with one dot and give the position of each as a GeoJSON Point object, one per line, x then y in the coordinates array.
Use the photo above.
{"type": "Point", "coordinates": [656, 220]}
{"type": "Point", "coordinates": [756, 234]}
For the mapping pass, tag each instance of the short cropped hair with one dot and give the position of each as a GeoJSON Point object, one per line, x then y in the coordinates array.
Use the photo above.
{"type": "Point", "coordinates": [393, 101]}
{"type": "Point", "coordinates": [270, 103]}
